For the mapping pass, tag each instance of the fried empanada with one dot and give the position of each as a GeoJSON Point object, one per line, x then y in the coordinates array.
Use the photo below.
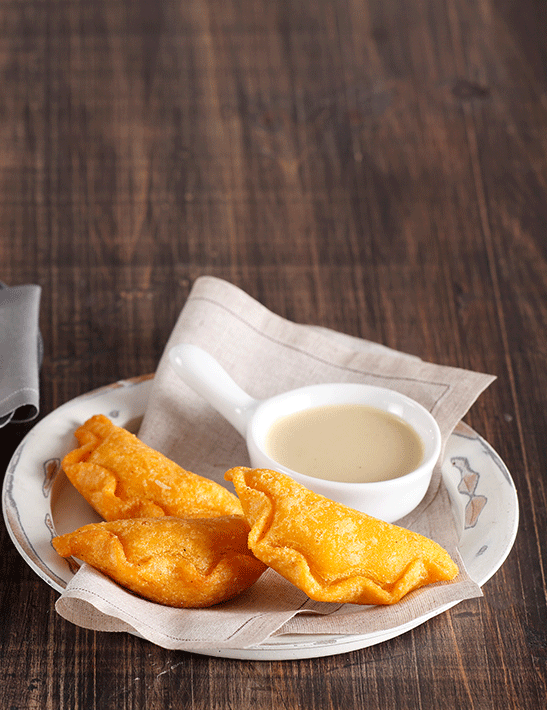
{"type": "Point", "coordinates": [121, 477]}
{"type": "Point", "coordinates": [330, 551]}
{"type": "Point", "coordinates": [194, 562]}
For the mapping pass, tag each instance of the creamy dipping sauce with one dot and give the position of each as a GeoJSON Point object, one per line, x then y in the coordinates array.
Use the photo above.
{"type": "Point", "coordinates": [354, 443]}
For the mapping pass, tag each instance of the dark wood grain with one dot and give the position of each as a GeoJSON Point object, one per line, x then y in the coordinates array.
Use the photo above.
{"type": "Point", "coordinates": [375, 167]}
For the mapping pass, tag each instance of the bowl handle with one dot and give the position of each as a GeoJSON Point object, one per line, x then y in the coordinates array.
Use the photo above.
{"type": "Point", "coordinates": [200, 371]}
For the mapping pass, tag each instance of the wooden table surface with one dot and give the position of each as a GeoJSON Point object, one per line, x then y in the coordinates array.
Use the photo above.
{"type": "Point", "coordinates": [378, 167]}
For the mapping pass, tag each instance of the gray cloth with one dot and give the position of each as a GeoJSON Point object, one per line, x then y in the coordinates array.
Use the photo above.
{"type": "Point", "coordinates": [20, 353]}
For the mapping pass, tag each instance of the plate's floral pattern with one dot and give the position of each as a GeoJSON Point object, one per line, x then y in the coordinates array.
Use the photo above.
{"type": "Point", "coordinates": [51, 469]}
{"type": "Point", "coordinates": [469, 480]}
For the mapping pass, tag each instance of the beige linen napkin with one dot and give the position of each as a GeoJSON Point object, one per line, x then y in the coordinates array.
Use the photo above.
{"type": "Point", "coordinates": [266, 355]}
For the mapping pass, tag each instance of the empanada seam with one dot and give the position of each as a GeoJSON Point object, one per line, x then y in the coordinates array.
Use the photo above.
{"type": "Point", "coordinates": [320, 580]}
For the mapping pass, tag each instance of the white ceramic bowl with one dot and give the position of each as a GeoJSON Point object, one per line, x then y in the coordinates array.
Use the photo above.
{"type": "Point", "coordinates": [388, 500]}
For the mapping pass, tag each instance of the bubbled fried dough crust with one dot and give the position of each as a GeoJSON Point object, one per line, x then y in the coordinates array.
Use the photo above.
{"type": "Point", "coordinates": [121, 477]}
{"type": "Point", "coordinates": [187, 563]}
{"type": "Point", "coordinates": [330, 551]}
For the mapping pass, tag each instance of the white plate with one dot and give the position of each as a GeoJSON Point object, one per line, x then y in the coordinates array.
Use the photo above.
{"type": "Point", "coordinates": [39, 502]}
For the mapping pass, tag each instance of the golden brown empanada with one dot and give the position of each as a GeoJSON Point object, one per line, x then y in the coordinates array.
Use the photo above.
{"type": "Point", "coordinates": [193, 562]}
{"type": "Point", "coordinates": [330, 551]}
{"type": "Point", "coordinates": [121, 477]}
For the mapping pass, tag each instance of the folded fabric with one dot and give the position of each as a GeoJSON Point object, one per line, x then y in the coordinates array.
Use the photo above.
{"type": "Point", "coordinates": [20, 353]}
{"type": "Point", "coordinates": [267, 354]}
